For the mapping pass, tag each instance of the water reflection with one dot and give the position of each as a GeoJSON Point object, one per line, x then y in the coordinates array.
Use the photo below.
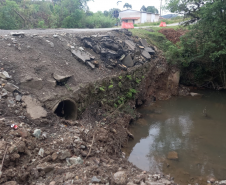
{"type": "Point", "coordinates": [179, 125]}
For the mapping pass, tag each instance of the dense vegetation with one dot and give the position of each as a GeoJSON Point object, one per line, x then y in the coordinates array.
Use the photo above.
{"type": "Point", "coordinates": [17, 14]}
{"type": "Point", "coordinates": [201, 53]}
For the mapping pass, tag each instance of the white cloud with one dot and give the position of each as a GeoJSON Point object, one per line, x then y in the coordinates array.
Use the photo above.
{"type": "Point", "coordinates": [101, 5]}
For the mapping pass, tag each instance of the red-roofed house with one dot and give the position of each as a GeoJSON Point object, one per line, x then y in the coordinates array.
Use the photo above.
{"type": "Point", "coordinates": [137, 17]}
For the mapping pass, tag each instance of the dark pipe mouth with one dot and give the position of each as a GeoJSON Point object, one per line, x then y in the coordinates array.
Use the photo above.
{"type": "Point", "coordinates": [66, 109]}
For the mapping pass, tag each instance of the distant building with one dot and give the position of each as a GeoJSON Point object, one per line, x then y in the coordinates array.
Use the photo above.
{"type": "Point", "coordinates": [137, 17]}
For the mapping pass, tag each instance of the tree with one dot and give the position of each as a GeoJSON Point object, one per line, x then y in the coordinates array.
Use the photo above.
{"type": "Point", "coordinates": [143, 9]}
{"type": "Point", "coordinates": [202, 50]}
{"type": "Point", "coordinates": [152, 9]}
{"type": "Point", "coordinates": [127, 5]}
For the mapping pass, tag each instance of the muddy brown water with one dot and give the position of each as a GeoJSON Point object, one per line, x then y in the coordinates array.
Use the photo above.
{"type": "Point", "coordinates": [179, 125]}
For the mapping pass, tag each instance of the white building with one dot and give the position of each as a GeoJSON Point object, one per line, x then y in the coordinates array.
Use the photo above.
{"type": "Point", "coordinates": [137, 17]}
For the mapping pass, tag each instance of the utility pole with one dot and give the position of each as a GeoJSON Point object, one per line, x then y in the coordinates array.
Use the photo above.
{"type": "Point", "coordinates": [160, 8]}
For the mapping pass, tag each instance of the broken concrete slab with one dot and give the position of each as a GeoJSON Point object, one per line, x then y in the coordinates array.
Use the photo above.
{"type": "Point", "coordinates": [144, 42]}
{"type": "Point", "coordinates": [60, 78]}
{"type": "Point", "coordinates": [34, 108]}
{"type": "Point", "coordinates": [97, 49]}
{"type": "Point", "coordinates": [146, 55]}
{"type": "Point", "coordinates": [11, 87]}
{"type": "Point", "coordinates": [17, 33]}
{"type": "Point", "coordinates": [128, 61]}
{"type": "Point", "coordinates": [149, 50]}
{"type": "Point", "coordinates": [91, 65]}
{"type": "Point", "coordinates": [131, 44]}
{"type": "Point", "coordinates": [81, 56]}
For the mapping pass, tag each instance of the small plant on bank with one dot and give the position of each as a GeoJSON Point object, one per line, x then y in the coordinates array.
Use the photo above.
{"type": "Point", "coordinates": [143, 77]}
{"type": "Point", "coordinates": [115, 105]}
{"type": "Point", "coordinates": [131, 92]}
{"type": "Point", "coordinates": [120, 84]}
{"type": "Point", "coordinates": [138, 80]}
{"type": "Point", "coordinates": [110, 86]}
{"type": "Point", "coordinates": [129, 76]}
{"type": "Point", "coordinates": [120, 77]}
{"type": "Point", "coordinates": [102, 89]}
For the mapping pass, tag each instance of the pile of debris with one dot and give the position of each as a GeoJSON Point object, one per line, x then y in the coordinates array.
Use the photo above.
{"type": "Point", "coordinates": [172, 35]}
{"type": "Point", "coordinates": [114, 51]}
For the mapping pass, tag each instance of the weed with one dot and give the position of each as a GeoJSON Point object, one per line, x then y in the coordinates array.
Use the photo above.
{"type": "Point", "coordinates": [116, 106]}
{"type": "Point", "coordinates": [129, 76]}
{"type": "Point", "coordinates": [120, 84]}
{"type": "Point", "coordinates": [110, 86]}
{"type": "Point", "coordinates": [138, 80]}
{"type": "Point", "coordinates": [102, 89]}
{"type": "Point", "coordinates": [120, 77]}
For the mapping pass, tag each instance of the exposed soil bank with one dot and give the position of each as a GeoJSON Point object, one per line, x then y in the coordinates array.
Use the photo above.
{"type": "Point", "coordinates": [47, 149]}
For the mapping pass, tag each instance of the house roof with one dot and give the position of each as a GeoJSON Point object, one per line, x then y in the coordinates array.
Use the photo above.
{"type": "Point", "coordinates": [130, 18]}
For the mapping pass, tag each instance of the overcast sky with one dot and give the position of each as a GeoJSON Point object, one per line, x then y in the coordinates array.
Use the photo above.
{"type": "Point", "coordinates": [101, 5]}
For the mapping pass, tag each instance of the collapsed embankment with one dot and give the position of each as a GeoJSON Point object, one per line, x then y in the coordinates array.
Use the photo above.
{"type": "Point", "coordinates": [49, 81]}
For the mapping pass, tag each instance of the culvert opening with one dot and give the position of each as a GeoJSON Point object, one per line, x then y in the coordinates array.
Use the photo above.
{"type": "Point", "coordinates": [66, 109]}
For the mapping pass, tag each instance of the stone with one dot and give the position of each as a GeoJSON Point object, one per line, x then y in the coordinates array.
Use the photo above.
{"type": "Point", "coordinates": [18, 98]}
{"type": "Point", "coordinates": [17, 34]}
{"type": "Point", "coordinates": [172, 156]}
{"type": "Point", "coordinates": [74, 160]}
{"type": "Point", "coordinates": [10, 183]}
{"type": "Point", "coordinates": [64, 154]}
{"type": "Point", "coordinates": [153, 183]}
{"type": "Point", "coordinates": [41, 152]}
{"type": "Point", "coordinates": [149, 50]}
{"type": "Point", "coordinates": [195, 94]}
{"type": "Point", "coordinates": [144, 42]}
{"type": "Point", "coordinates": [54, 156]}
{"type": "Point", "coordinates": [95, 180]}
{"type": "Point", "coordinates": [223, 182]}
{"type": "Point", "coordinates": [120, 178]}
{"type": "Point", "coordinates": [212, 180]}
{"type": "Point", "coordinates": [37, 133]}
{"type": "Point", "coordinates": [60, 78]}
{"type": "Point", "coordinates": [128, 61]}
{"type": "Point", "coordinates": [131, 44]}
{"type": "Point", "coordinates": [130, 183]}
{"type": "Point", "coordinates": [80, 55]}
{"type": "Point", "coordinates": [34, 108]}
{"type": "Point", "coordinates": [4, 75]}
{"type": "Point", "coordinates": [96, 63]}
{"type": "Point", "coordinates": [52, 183]}
{"type": "Point", "coordinates": [46, 167]}
{"type": "Point", "coordinates": [91, 65]}
{"type": "Point", "coordinates": [22, 132]}
{"type": "Point", "coordinates": [146, 55]}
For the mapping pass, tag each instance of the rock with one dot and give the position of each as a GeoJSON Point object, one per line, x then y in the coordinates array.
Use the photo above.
{"type": "Point", "coordinates": [54, 156]}
{"type": "Point", "coordinates": [223, 182]}
{"type": "Point", "coordinates": [131, 44]}
{"type": "Point", "coordinates": [81, 56]}
{"type": "Point", "coordinates": [172, 156]}
{"type": "Point", "coordinates": [153, 183]}
{"type": "Point", "coordinates": [52, 183]}
{"type": "Point", "coordinates": [34, 108]}
{"type": "Point", "coordinates": [4, 75]}
{"type": "Point", "coordinates": [74, 160]}
{"type": "Point", "coordinates": [37, 133]}
{"type": "Point", "coordinates": [97, 49]}
{"type": "Point", "coordinates": [142, 183]}
{"type": "Point", "coordinates": [60, 78]}
{"type": "Point", "coordinates": [128, 61]}
{"type": "Point", "coordinates": [18, 98]}
{"type": "Point", "coordinates": [10, 87]}
{"type": "Point", "coordinates": [64, 154]}
{"type": "Point", "coordinates": [120, 178]}
{"type": "Point", "coordinates": [130, 183]}
{"type": "Point", "coordinates": [46, 167]}
{"type": "Point", "coordinates": [95, 180]}
{"type": "Point", "coordinates": [146, 55]}
{"type": "Point", "coordinates": [195, 94]}
{"type": "Point", "coordinates": [149, 50]}
{"type": "Point", "coordinates": [17, 34]}
{"type": "Point", "coordinates": [144, 42]}
{"type": "Point", "coordinates": [96, 63]}
{"type": "Point", "coordinates": [212, 180]}
{"type": "Point", "coordinates": [91, 65]}
{"type": "Point", "coordinates": [69, 175]}
{"type": "Point", "coordinates": [22, 132]}
{"type": "Point", "coordinates": [41, 152]}
{"type": "Point", "coordinates": [10, 183]}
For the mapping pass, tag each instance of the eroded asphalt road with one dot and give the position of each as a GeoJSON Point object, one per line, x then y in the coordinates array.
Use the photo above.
{"type": "Point", "coordinates": [62, 30]}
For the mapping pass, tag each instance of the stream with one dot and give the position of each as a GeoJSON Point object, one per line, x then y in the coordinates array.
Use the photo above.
{"type": "Point", "coordinates": [179, 125]}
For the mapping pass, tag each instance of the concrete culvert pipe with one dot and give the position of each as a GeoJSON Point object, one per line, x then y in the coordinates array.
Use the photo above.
{"type": "Point", "coordinates": [67, 109]}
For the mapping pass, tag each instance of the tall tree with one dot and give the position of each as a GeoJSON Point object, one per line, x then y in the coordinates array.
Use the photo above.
{"type": "Point", "coordinates": [127, 5]}
{"type": "Point", "coordinates": [152, 9]}
{"type": "Point", "coordinates": [143, 9]}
